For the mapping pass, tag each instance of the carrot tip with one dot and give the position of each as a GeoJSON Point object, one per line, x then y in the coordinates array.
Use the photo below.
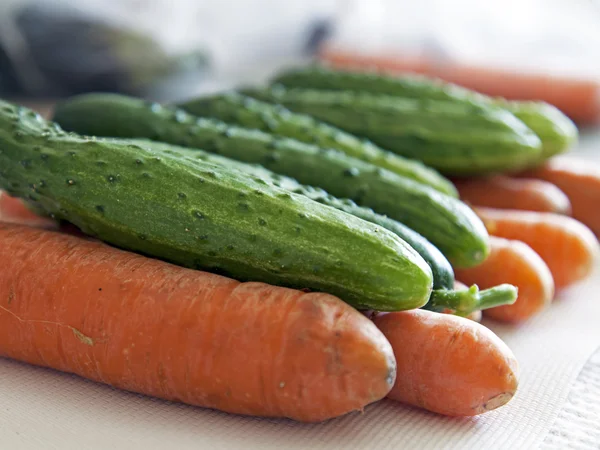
{"type": "Point", "coordinates": [495, 402]}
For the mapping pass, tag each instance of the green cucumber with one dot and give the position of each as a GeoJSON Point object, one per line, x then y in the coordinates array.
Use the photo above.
{"type": "Point", "coordinates": [455, 139]}
{"type": "Point", "coordinates": [445, 221]}
{"type": "Point", "coordinates": [556, 131]}
{"type": "Point", "coordinates": [247, 112]}
{"type": "Point", "coordinates": [443, 297]}
{"type": "Point", "coordinates": [205, 216]}
{"type": "Point", "coordinates": [443, 275]}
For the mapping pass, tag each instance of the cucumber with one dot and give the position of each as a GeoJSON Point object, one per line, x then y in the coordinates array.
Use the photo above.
{"type": "Point", "coordinates": [443, 297]}
{"type": "Point", "coordinates": [556, 131]}
{"type": "Point", "coordinates": [455, 139]}
{"type": "Point", "coordinates": [445, 221]}
{"type": "Point", "coordinates": [205, 216]}
{"type": "Point", "coordinates": [247, 112]}
{"type": "Point", "coordinates": [443, 275]}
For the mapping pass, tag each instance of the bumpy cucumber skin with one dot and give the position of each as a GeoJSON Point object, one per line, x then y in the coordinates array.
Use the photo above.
{"type": "Point", "coordinates": [206, 216]}
{"type": "Point", "coordinates": [556, 131]}
{"type": "Point", "coordinates": [443, 274]}
{"type": "Point", "coordinates": [238, 109]}
{"type": "Point", "coordinates": [455, 139]}
{"type": "Point", "coordinates": [446, 222]}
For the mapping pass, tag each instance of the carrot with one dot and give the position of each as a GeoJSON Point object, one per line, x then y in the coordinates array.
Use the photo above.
{"type": "Point", "coordinates": [448, 364]}
{"type": "Point", "coordinates": [184, 335]}
{"type": "Point", "coordinates": [516, 263]}
{"type": "Point", "coordinates": [14, 211]}
{"type": "Point", "coordinates": [580, 181]}
{"type": "Point", "coordinates": [511, 193]}
{"type": "Point", "coordinates": [566, 245]}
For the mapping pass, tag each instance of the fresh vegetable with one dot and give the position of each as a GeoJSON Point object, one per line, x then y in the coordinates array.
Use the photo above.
{"type": "Point", "coordinates": [516, 263]}
{"type": "Point", "coordinates": [244, 111]}
{"type": "Point", "coordinates": [454, 138]}
{"type": "Point", "coordinates": [513, 193]}
{"type": "Point", "coordinates": [443, 275]}
{"type": "Point", "coordinates": [206, 216]}
{"type": "Point", "coordinates": [580, 181]}
{"type": "Point", "coordinates": [448, 364]}
{"type": "Point", "coordinates": [567, 246]}
{"type": "Point", "coordinates": [446, 222]}
{"type": "Point", "coordinates": [146, 326]}
{"type": "Point", "coordinates": [556, 131]}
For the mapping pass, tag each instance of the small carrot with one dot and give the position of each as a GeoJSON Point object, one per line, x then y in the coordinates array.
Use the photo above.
{"type": "Point", "coordinates": [516, 263]}
{"type": "Point", "coordinates": [184, 335]}
{"type": "Point", "coordinates": [448, 364]}
{"type": "Point", "coordinates": [13, 210]}
{"type": "Point", "coordinates": [580, 181]}
{"type": "Point", "coordinates": [566, 245]}
{"type": "Point", "coordinates": [511, 193]}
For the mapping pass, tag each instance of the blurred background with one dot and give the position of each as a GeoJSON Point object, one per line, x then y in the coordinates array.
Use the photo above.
{"type": "Point", "coordinates": [168, 50]}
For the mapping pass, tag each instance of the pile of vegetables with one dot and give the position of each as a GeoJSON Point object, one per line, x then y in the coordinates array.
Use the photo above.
{"type": "Point", "coordinates": [294, 250]}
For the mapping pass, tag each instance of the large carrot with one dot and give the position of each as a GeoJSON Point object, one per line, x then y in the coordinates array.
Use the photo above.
{"type": "Point", "coordinates": [14, 211]}
{"type": "Point", "coordinates": [516, 263]}
{"type": "Point", "coordinates": [580, 181]}
{"type": "Point", "coordinates": [448, 364]}
{"type": "Point", "coordinates": [566, 245]}
{"type": "Point", "coordinates": [155, 328]}
{"type": "Point", "coordinates": [512, 193]}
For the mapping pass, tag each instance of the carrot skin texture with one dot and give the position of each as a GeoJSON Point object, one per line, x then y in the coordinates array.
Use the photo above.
{"type": "Point", "coordinates": [567, 246]}
{"type": "Point", "coordinates": [448, 364]}
{"type": "Point", "coordinates": [184, 335]}
{"type": "Point", "coordinates": [580, 181]}
{"type": "Point", "coordinates": [516, 263]}
{"type": "Point", "coordinates": [513, 193]}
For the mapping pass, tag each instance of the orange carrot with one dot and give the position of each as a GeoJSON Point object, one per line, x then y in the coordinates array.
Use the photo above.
{"type": "Point", "coordinates": [511, 193]}
{"type": "Point", "coordinates": [566, 245]}
{"type": "Point", "coordinates": [184, 335]}
{"type": "Point", "coordinates": [516, 263]}
{"type": "Point", "coordinates": [448, 364]}
{"type": "Point", "coordinates": [580, 181]}
{"type": "Point", "coordinates": [13, 210]}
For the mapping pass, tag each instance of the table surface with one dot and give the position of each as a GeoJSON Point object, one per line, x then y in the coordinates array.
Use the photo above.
{"type": "Point", "coordinates": [558, 404]}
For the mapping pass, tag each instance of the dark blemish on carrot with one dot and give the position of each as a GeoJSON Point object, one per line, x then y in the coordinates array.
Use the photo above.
{"type": "Point", "coordinates": [11, 295]}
